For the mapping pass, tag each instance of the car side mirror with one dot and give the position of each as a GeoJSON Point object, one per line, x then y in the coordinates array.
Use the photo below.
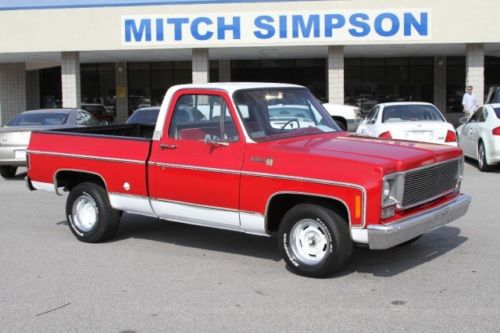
{"type": "Point", "coordinates": [463, 120]}
{"type": "Point", "coordinates": [215, 142]}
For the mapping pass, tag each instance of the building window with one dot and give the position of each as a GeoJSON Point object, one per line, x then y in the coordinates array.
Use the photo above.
{"type": "Point", "coordinates": [98, 84]}
{"type": "Point", "coordinates": [149, 81]}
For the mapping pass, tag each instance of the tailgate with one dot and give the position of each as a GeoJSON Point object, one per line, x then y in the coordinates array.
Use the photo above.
{"type": "Point", "coordinates": [117, 160]}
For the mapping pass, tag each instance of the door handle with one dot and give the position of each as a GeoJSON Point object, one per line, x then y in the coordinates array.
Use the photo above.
{"type": "Point", "coordinates": [165, 146]}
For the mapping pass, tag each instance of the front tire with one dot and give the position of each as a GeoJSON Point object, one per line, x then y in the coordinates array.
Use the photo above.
{"type": "Point", "coordinates": [90, 215]}
{"type": "Point", "coordinates": [481, 158]}
{"type": "Point", "coordinates": [314, 240]}
{"type": "Point", "coordinates": [7, 171]}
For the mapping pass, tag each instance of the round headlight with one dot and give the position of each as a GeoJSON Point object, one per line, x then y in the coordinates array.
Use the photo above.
{"type": "Point", "coordinates": [387, 190]}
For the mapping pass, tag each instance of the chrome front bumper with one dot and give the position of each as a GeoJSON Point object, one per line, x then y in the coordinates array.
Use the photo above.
{"type": "Point", "coordinates": [381, 237]}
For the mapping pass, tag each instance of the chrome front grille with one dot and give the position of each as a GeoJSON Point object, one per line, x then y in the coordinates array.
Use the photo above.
{"type": "Point", "coordinates": [426, 184]}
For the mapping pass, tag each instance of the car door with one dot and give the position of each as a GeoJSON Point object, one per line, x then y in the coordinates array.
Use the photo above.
{"type": "Point", "coordinates": [470, 133]}
{"type": "Point", "coordinates": [195, 167]}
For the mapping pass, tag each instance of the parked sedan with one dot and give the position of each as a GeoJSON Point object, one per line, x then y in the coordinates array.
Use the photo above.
{"type": "Point", "coordinates": [144, 116]}
{"type": "Point", "coordinates": [100, 112]}
{"type": "Point", "coordinates": [15, 136]}
{"type": "Point", "coordinates": [479, 136]}
{"type": "Point", "coordinates": [416, 121]}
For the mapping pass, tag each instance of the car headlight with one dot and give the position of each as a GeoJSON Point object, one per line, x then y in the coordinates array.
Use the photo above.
{"type": "Point", "coordinates": [386, 191]}
{"type": "Point", "coordinates": [392, 187]}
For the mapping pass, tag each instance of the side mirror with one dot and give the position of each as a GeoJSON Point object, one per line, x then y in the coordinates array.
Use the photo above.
{"type": "Point", "coordinates": [463, 120]}
{"type": "Point", "coordinates": [215, 141]}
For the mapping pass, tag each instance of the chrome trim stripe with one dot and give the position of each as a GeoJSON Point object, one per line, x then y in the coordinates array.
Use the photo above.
{"type": "Point", "coordinates": [87, 157]}
{"type": "Point", "coordinates": [132, 196]}
{"type": "Point", "coordinates": [313, 195]}
{"type": "Point", "coordinates": [274, 176]}
{"type": "Point", "coordinates": [56, 186]}
{"type": "Point", "coordinates": [198, 206]}
{"type": "Point", "coordinates": [192, 167]}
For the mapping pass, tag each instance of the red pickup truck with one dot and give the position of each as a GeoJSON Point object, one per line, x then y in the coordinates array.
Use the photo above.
{"type": "Point", "coordinates": [258, 158]}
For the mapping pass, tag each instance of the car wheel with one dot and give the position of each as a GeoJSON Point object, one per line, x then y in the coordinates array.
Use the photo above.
{"type": "Point", "coordinates": [481, 158]}
{"type": "Point", "coordinates": [90, 215]}
{"type": "Point", "coordinates": [7, 171]}
{"type": "Point", "coordinates": [314, 240]}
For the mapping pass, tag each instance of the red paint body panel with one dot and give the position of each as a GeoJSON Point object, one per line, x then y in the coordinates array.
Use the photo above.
{"type": "Point", "coordinates": [242, 176]}
{"type": "Point", "coordinates": [116, 160]}
{"type": "Point", "coordinates": [196, 172]}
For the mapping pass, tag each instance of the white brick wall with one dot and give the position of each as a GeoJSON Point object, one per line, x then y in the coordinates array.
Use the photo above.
{"type": "Point", "coordinates": [200, 66]}
{"type": "Point", "coordinates": [70, 79]}
{"type": "Point", "coordinates": [336, 74]}
{"type": "Point", "coordinates": [12, 90]}
{"type": "Point", "coordinates": [474, 69]}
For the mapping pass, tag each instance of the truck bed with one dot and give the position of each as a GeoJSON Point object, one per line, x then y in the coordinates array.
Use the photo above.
{"type": "Point", "coordinates": [118, 154]}
{"type": "Point", "coordinates": [129, 131]}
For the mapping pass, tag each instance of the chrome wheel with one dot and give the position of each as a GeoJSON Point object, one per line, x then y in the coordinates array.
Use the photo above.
{"type": "Point", "coordinates": [308, 241]}
{"type": "Point", "coordinates": [85, 213]}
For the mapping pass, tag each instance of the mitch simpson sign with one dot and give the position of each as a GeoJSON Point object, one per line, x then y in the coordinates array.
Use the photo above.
{"type": "Point", "coordinates": [287, 28]}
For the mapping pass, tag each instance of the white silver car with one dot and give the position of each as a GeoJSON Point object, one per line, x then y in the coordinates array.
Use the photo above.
{"type": "Point", "coordinates": [415, 121]}
{"type": "Point", "coordinates": [479, 136]}
{"type": "Point", "coordinates": [15, 136]}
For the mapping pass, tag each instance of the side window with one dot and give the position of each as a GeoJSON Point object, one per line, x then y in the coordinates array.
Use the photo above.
{"type": "Point", "coordinates": [84, 118]}
{"type": "Point", "coordinates": [202, 117]}
{"type": "Point", "coordinates": [478, 116]}
{"type": "Point", "coordinates": [372, 116]}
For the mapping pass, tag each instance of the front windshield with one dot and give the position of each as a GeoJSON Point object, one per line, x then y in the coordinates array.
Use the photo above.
{"type": "Point", "coordinates": [282, 112]}
{"type": "Point", "coordinates": [35, 119]}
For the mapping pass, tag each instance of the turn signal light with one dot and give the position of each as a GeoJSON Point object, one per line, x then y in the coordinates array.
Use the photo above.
{"type": "Point", "coordinates": [451, 136]}
{"type": "Point", "coordinates": [496, 131]}
{"type": "Point", "coordinates": [385, 135]}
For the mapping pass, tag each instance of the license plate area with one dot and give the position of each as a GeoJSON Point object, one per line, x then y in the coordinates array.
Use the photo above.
{"type": "Point", "coordinates": [419, 135]}
{"type": "Point", "coordinates": [20, 154]}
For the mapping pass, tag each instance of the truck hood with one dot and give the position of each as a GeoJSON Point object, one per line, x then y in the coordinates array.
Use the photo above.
{"type": "Point", "coordinates": [390, 155]}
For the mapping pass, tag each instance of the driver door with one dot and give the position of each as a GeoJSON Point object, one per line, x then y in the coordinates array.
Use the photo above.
{"type": "Point", "coordinates": [195, 167]}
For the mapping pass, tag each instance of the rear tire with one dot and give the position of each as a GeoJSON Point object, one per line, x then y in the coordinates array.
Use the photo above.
{"type": "Point", "coordinates": [314, 240]}
{"type": "Point", "coordinates": [481, 157]}
{"type": "Point", "coordinates": [7, 171]}
{"type": "Point", "coordinates": [90, 215]}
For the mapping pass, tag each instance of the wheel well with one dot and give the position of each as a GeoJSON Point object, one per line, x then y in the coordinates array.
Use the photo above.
{"type": "Point", "coordinates": [70, 179]}
{"type": "Point", "coordinates": [280, 204]}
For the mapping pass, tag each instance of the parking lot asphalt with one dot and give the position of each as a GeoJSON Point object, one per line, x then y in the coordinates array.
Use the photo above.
{"type": "Point", "coordinates": [157, 276]}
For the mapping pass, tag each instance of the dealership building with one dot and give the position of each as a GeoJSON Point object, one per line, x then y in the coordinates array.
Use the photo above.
{"type": "Point", "coordinates": [126, 53]}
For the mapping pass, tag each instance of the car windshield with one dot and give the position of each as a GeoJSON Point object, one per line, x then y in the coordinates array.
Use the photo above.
{"type": "Point", "coordinates": [95, 109]}
{"type": "Point", "coordinates": [497, 112]}
{"type": "Point", "coordinates": [144, 116]}
{"type": "Point", "coordinates": [281, 112]}
{"type": "Point", "coordinates": [399, 113]}
{"type": "Point", "coordinates": [33, 119]}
